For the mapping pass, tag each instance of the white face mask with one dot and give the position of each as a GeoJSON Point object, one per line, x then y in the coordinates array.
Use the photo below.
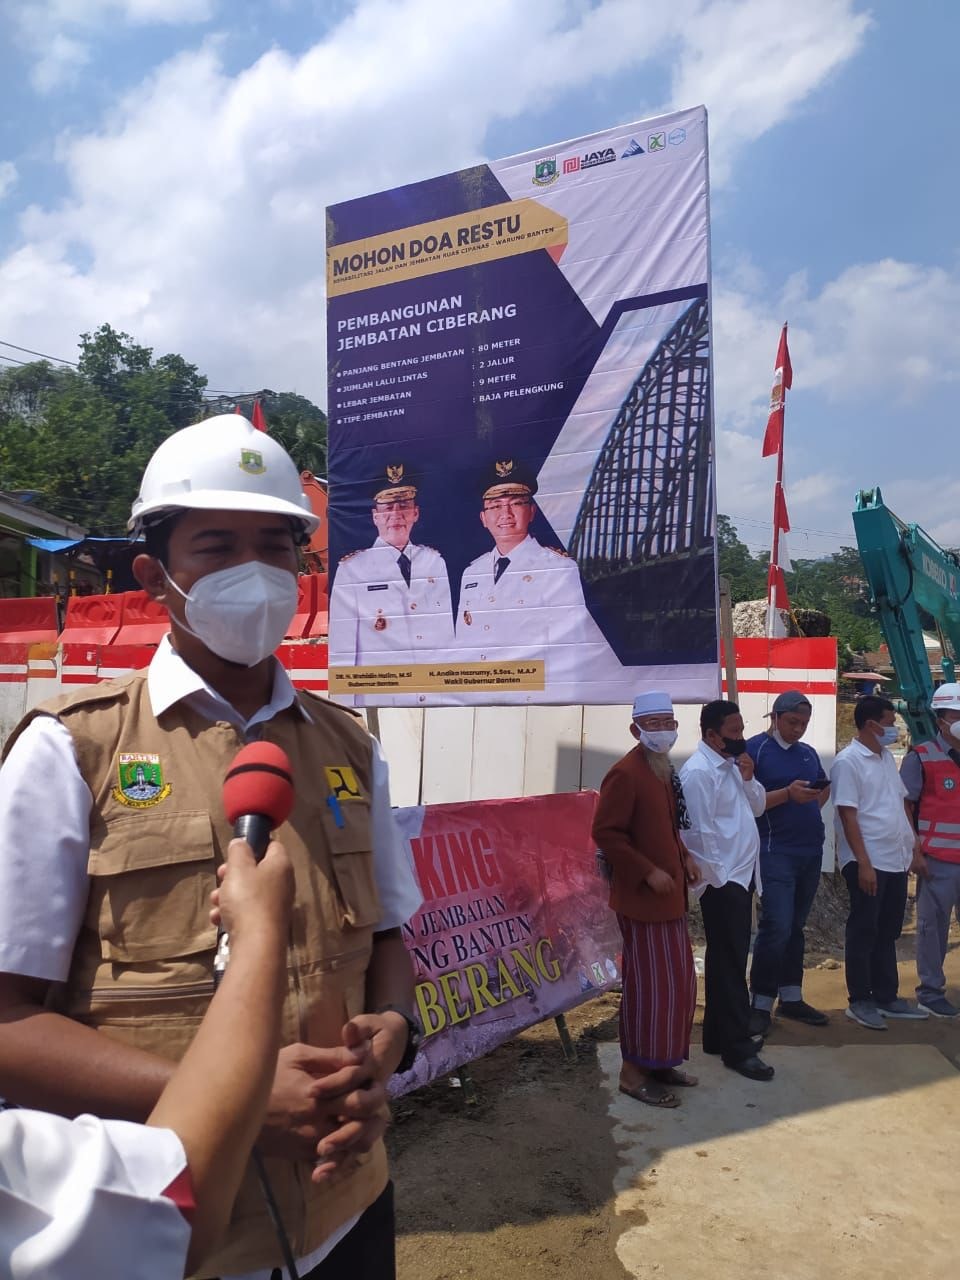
{"type": "Point", "coordinates": [241, 613]}
{"type": "Point", "coordinates": [955, 729]}
{"type": "Point", "coordinates": [659, 740]}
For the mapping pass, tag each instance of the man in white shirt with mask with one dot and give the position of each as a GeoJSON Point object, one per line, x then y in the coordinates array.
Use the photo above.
{"type": "Point", "coordinates": [106, 892]}
{"type": "Point", "coordinates": [723, 802]}
{"type": "Point", "coordinates": [877, 848]}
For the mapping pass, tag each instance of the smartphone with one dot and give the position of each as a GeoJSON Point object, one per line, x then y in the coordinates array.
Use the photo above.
{"type": "Point", "coordinates": [821, 784]}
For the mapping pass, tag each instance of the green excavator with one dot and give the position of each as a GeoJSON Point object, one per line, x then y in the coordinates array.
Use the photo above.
{"type": "Point", "coordinates": [910, 575]}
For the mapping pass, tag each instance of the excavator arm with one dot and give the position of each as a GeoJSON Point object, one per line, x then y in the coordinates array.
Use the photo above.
{"type": "Point", "coordinates": [908, 572]}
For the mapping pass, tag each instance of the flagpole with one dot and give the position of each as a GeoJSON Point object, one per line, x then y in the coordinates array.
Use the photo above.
{"type": "Point", "coordinates": [784, 379]}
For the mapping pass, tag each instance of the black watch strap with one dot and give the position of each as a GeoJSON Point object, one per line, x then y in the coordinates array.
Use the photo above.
{"type": "Point", "coordinates": [414, 1037]}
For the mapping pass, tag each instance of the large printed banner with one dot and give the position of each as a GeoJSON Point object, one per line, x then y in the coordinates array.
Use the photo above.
{"type": "Point", "coordinates": [520, 454]}
{"type": "Point", "coordinates": [514, 927]}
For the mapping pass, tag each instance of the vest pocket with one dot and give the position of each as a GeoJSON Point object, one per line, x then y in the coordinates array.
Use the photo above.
{"type": "Point", "coordinates": [356, 888]}
{"type": "Point", "coordinates": [151, 879]}
{"type": "Point", "coordinates": [351, 846]}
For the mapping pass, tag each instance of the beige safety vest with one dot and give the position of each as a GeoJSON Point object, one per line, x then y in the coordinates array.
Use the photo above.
{"type": "Point", "coordinates": [143, 962]}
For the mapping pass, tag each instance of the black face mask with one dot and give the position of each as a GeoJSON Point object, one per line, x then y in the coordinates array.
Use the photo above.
{"type": "Point", "coordinates": [734, 746]}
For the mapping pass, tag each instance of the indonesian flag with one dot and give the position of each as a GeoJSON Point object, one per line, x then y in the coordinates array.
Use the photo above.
{"type": "Point", "coordinates": [782, 382]}
{"type": "Point", "coordinates": [258, 418]}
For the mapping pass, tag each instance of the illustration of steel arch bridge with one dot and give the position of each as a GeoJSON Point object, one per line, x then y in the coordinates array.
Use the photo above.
{"type": "Point", "coordinates": [643, 537]}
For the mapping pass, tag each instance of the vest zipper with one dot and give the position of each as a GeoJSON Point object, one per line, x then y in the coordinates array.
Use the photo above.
{"type": "Point", "coordinates": [107, 995]}
{"type": "Point", "coordinates": [294, 971]}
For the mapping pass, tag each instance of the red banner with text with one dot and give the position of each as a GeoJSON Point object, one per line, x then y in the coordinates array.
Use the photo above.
{"type": "Point", "coordinates": [514, 926]}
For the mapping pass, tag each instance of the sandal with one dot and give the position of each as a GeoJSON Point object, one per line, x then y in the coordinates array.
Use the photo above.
{"type": "Point", "coordinates": [679, 1079]}
{"type": "Point", "coordinates": [653, 1094]}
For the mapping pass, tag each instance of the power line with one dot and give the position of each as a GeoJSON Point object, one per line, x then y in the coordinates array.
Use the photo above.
{"type": "Point", "coordinates": [40, 354]}
{"type": "Point", "coordinates": [820, 533]}
{"type": "Point", "coordinates": [206, 392]}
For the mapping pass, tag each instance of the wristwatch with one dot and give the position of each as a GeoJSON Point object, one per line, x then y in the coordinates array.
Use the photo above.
{"type": "Point", "coordinates": [414, 1037]}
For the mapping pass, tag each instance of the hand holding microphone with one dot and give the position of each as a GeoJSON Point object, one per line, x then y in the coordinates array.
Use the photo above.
{"type": "Point", "coordinates": [257, 798]}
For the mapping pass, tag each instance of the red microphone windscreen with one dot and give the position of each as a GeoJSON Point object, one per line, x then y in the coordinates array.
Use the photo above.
{"type": "Point", "coordinates": [260, 780]}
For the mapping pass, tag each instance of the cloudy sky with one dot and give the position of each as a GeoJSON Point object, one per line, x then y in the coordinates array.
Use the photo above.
{"type": "Point", "coordinates": [165, 164]}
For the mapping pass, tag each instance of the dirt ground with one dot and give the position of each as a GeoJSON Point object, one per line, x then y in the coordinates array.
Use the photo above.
{"type": "Point", "coordinates": [518, 1183]}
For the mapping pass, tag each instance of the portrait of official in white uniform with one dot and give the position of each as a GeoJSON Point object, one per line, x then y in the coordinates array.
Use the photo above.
{"type": "Point", "coordinates": [390, 603]}
{"type": "Point", "coordinates": [522, 600]}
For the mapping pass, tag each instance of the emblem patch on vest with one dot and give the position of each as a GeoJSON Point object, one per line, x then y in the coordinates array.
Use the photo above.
{"type": "Point", "coordinates": [342, 782]}
{"type": "Point", "coordinates": [949, 784]}
{"type": "Point", "coordinates": [141, 783]}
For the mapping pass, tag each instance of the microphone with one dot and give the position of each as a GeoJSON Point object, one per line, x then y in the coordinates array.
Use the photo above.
{"type": "Point", "coordinates": [258, 794]}
{"type": "Point", "coordinates": [257, 798]}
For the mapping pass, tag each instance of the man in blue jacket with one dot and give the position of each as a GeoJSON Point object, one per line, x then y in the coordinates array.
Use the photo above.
{"type": "Point", "coordinates": [791, 855]}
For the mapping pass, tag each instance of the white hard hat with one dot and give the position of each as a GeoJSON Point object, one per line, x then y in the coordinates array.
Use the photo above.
{"type": "Point", "coordinates": [946, 698]}
{"type": "Point", "coordinates": [222, 464]}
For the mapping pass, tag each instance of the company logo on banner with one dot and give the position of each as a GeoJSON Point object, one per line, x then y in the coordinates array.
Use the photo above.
{"type": "Point", "coordinates": [514, 926]}
{"type": "Point", "coordinates": [472, 319]}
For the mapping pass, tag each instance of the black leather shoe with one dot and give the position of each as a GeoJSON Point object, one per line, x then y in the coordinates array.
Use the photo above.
{"type": "Point", "coordinates": [759, 1022]}
{"type": "Point", "coordinates": [753, 1068]}
{"type": "Point", "coordinates": [800, 1011]}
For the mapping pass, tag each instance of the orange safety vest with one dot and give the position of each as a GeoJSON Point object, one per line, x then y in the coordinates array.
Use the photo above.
{"type": "Point", "coordinates": [939, 806]}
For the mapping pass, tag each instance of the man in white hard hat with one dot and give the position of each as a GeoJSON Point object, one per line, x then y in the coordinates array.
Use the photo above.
{"type": "Point", "coordinates": [390, 603]}
{"type": "Point", "coordinates": [931, 775]}
{"type": "Point", "coordinates": [106, 893]}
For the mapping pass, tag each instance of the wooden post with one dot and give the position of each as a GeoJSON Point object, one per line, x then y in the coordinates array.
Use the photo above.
{"type": "Point", "coordinates": [468, 1087]}
{"type": "Point", "coordinates": [566, 1041]}
{"type": "Point", "coordinates": [726, 635]}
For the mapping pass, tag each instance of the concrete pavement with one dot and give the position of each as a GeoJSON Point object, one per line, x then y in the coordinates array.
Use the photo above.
{"type": "Point", "coordinates": [845, 1165]}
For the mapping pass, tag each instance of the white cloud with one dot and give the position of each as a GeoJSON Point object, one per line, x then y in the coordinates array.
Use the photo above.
{"type": "Point", "coordinates": [56, 34]}
{"type": "Point", "coordinates": [198, 208]}
{"type": "Point", "coordinates": [58, 59]}
{"type": "Point", "coordinates": [878, 331]}
{"type": "Point", "coordinates": [753, 63]}
{"type": "Point", "coordinates": [8, 177]}
{"type": "Point", "coordinates": [880, 334]}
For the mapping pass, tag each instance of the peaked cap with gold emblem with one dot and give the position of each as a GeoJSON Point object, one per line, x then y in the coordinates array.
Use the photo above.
{"type": "Point", "coordinates": [506, 477]}
{"type": "Point", "coordinates": [394, 482]}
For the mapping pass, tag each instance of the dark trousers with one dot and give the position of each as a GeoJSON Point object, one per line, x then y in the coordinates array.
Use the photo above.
{"type": "Point", "coordinates": [790, 884]}
{"type": "Point", "coordinates": [726, 1018]}
{"type": "Point", "coordinates": [873, 927]}
{"type": "Point", "coordinates": [366, 1253]}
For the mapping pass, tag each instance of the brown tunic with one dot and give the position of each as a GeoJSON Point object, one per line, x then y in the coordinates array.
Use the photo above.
{"type": "Point", "coordinates": [636, 828]}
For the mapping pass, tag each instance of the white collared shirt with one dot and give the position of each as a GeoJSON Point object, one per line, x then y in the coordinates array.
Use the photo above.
{"type": "Point", "coordinates": [378, 618]}
{"type": "Point", "coordinates": [85, 1197]}
{"type": "Point", "coordinates": [45, 825]}
{"type": "Point", "coordinates": [723, 809]}
{"type": "Point", "coordinates": [868, 781]}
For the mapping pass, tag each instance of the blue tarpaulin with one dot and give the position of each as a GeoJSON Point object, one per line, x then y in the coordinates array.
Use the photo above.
{"type": "Point", "coordinates": [67, 544]}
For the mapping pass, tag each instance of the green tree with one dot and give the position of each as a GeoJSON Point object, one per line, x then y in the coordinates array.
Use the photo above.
{"type": "Point", "coordinates": [80, 438]}
{"type": "Point", "coordinates": [746, 573]}
{"type": "Point", "coordinates": [837, 585]}
{"type": "Point", "coordinates": [300, 426]}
